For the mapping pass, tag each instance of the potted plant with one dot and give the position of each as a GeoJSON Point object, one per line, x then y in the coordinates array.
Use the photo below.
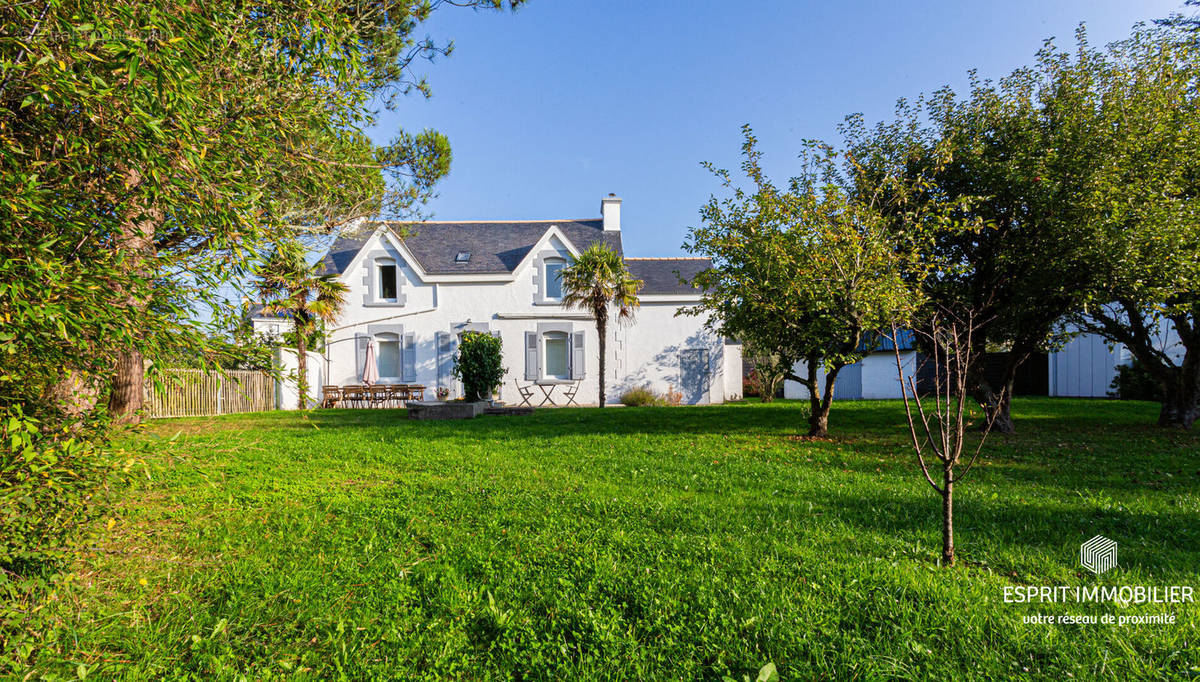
{"type": "Point", "coordinates": [480, 365]}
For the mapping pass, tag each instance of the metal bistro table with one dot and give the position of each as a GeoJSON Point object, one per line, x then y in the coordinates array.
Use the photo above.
{"type": "Point", "coordinates": [570, 389]}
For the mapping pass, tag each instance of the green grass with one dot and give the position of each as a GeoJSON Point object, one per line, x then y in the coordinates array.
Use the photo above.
{"type": "Point", "coordinates": [651, 543]}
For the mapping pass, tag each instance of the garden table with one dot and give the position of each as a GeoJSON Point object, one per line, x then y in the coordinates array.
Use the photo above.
{"type": "Point", "coordinates": [570, 388]}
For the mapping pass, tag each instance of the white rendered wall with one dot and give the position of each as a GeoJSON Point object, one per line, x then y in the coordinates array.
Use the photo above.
{"type": "Point", "coordinates": [648, 352]}
{"type": "Point", "coordinates": [733, 372]}
{"type": "Point", "coordinates": [272, 327]}
{"type": "Point", "coordinates": [287, 394]}
{"type": "Point", "coordinates": [879, 378]}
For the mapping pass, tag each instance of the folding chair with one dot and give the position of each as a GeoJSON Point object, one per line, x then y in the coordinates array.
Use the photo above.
{"type": "Point", "coordinates": [526, 393]}
{"type": "Point", "coordinates": [569, 392]}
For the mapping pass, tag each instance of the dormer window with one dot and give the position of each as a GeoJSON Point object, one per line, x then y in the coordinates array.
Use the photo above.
{"type": "Point", "coordinates": [553, 272]}
{"type": "Point", "coordinates": [388, 282]}
{"type": "Point", "coordinates": [463, 257]}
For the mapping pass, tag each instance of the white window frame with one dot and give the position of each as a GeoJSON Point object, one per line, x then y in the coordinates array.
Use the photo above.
{"type": "Point", "coordinates": [565, 337]}
{"type": "Point", "coordinates": [380, 264]}
{"type": "Point", "coordinates": [546, 263]}
{"type": "Point", "coordinates": [398, 369]}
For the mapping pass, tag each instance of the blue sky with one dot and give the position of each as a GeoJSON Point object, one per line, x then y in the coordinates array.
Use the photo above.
{"type": "Point", "coordinates": [552, 107]}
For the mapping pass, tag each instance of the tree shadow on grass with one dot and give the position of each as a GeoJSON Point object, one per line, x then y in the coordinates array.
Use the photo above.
{"type": "Point", "coordinates": [1066, 445]}
{"type": "Point", "coordinates": [1160, 541]}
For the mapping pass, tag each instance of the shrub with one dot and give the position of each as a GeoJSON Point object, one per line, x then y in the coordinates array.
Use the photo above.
{"type": "Point", "coordinates": [766, 379]}
{"type": "Point", "coordinates": [672, 397]}
{"type": "Point", "coordinates": [1133, 382]}
{"type": "Point", "coordinates": [480, 365]}
{"type": "Point", "coordinates": [51, 486]}
{"type": "Point", "coordinates": [640, 397]}
{"type": "Point", "coordinates": [749, 386]}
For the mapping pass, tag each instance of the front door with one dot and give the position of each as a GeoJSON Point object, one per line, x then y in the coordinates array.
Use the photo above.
{"type": "Point", "coordinates": [693, 375]}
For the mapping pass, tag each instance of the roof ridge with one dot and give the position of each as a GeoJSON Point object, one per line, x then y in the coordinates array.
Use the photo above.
{"type": "Point", "coordinates": [482, 222]}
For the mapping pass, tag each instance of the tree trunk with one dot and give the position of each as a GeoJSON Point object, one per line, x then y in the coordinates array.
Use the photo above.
{"type": "Point", "coordinates": [128, 387]}
{"type": "Point", "coordinates": [136, 239]}
{"type": "Point", "coordinates": [947, 517]}
{"type": "Point", "coordinates": [818, 419]}
{"type": "Point", "coordinates": [72, 394]}
{"type": "Point", "coordinates": [600, 330]}
{"type": "Point", "coordinates": [997, 408]}
{"type": "Point", "coordinates": [1180, 405]}
{"type": "Point", "coordinates": [301, 370]}
{"type": "Point", "coordinates": [1180, 384]}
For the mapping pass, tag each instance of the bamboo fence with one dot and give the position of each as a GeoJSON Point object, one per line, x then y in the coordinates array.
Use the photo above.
{"type": "Point", "coordinates": [198, 393]}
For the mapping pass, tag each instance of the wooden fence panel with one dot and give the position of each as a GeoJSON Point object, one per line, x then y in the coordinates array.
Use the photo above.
{"type": "Point", "coordinates": [197, 393]}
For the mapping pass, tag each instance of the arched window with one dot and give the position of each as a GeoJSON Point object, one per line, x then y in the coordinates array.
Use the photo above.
{"type": "Point", "coordinates": [553, 273]}
{"type": "Point", "coordinates": [556, 352]}
{"type": "Point", "coordinates": [388, 279]}
{"type": "Point", "coordinates": [387, 355]}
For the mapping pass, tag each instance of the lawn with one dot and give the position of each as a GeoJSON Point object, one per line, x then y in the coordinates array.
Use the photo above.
{"type": "Point", "coordinates": [639, 543]}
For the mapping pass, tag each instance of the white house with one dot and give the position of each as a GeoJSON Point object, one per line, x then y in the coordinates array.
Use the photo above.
{"type": "Point", "coordinates": [411, 298]}
{"type": "Point", "coordinates": [268, 325]}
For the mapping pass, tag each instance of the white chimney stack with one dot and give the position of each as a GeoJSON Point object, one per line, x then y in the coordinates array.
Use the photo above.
{"type": "Point", "coordinates": [610, 211]}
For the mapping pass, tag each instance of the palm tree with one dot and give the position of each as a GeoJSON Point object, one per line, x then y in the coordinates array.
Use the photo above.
{"type": "Point", "coordinates": [290, 287]}
{"type": "Point", "coordinates": [597, 280]}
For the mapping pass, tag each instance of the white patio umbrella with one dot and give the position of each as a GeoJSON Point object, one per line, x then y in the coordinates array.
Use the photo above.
{"type": "Point", "coordinates": [370, 373]}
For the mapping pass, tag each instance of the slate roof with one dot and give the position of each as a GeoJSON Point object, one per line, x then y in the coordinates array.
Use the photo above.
{"type": "Point", "coordinates": [495, 247]}
{"type": "Point", "coordinates": [661, 275]}
{"type": "Point", "coordinates": [257, 310]}
{"type": "Point", "coordinates": [876, 342]}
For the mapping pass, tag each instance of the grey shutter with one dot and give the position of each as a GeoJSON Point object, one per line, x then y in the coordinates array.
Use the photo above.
{"type": "Point", "coordinates": [445, 345]}
{"type": "Point", "coordinates": [531, 356]}
{"type": "Point", "coordinates": [361, 341]}
{"type": "Point", "coordinates": [578, 361]}
{"type": "Point", "coordinates": [409, 372]}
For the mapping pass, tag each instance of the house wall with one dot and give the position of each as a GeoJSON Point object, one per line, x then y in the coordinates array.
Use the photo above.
{"type": "Point", "coordinates": [510, 309]}
{"type": "Point", "coordinates": [732, 371]}
{"type": "Point", "coordinates": [287, 394]}
{"type": "Point", "coordinates": [879, 379]}
{"type": "Point", "coordinates": [648, 352]}
{"type": "Point", "coordinates": [273, 327]}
